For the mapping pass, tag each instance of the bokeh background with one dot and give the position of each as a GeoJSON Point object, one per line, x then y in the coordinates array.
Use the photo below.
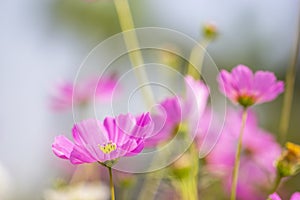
{"type": "Point", "coordinates": [43, 41]}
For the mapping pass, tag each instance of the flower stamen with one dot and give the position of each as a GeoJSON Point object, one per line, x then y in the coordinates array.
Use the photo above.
{"type": "Point", "coordinates": [108, 148]}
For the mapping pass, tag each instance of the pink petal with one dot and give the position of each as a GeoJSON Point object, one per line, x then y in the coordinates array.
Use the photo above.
{"type": "Point", "coordinates": [227, 85]}
{"type": "Point", "coordinates": [133, 147]}
{"type": "Point", "coordinates": [129, 125]}
{"type": "Point", "coordinates": [126, 123]}
{"type": "Point", "coordinates": [274, 196]}
{"type": "Point", "coordinates": [80, 155]}
{"type": "Point", "coordinates": [88, 135]}
{"type": "Point", "coordinates": [89, 131]}
{"type": "Point", "coordinates": [115, 134]}
{"type": "Point", "coordinates": [173, 109]}
{"type": "Point", "coordinates": [62, 147]}
{"type": "Point", "coordinates": [62, 96]}
{"type": "Point", "coordinates": [143, 127]}
{"type": "Point", "coordinates": [266, 87]}
{"type": "Point", "coordinates": [196, 98]}
{"type": "Point", "coordinates": [244, 77]}
{"type": "Point", "coordinates": [295, 196]}
{"type": "Point", "coordinates": [143, 120]}
{"type": "Point", "coordinates": [106, 86]}
{"type": "Point", "coordinates": [161, 132]}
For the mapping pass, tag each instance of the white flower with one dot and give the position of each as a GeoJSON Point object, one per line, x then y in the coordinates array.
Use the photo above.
{"type": "Point", "coordinates": [81, 191]}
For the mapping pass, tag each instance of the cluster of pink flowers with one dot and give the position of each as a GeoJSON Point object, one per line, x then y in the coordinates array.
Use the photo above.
{"type": "Point", "coordinates": [178, 110]}
{"type": "Point", "coordinates": [127, 135]}
{"type": "Point", "coordinates": [259, 151]}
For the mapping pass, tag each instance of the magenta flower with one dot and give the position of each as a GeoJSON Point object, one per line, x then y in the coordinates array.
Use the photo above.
{"type": "Point", "coordinates": [104, 142]}
{"type": "Point", "coordinates": [295, 196]}
{"type": "Point", "coordinates": [259, 152]}
{"type": "Point", "coordinates": [243, 87]}
{"type": "Point", "coordinates": [68, 94]}
{"type": "Point", "coordinates": [275, 196]}
{"type": "Point", "coordinates": [177, 110]}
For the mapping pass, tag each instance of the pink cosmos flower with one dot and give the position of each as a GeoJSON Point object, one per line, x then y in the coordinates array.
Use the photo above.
{"type": "Point", "coordinates": [176, 110]}
{"type": "Point", "coordinates": [259, 152]}
{"type": "Point", "coordinates": [68, 94]}
{"type": "Point", "coordinates": [95, 141]}
{"type": "Point", "coordinates": [243, 87]}
{"type": "Point", "coordinates": [295, 196]}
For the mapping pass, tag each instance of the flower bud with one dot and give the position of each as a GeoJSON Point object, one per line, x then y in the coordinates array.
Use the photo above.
{"type": "Point", "coordinates": [289, 162]}
{"type": "Point", "coordinates": [209, 31]}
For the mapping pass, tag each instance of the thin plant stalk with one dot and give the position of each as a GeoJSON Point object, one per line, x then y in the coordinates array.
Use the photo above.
{"type": "Point", "coordinates": [196, 59]}
{"type": "Point", "coordinates": [186, 187]}
{"type": "Point", "coordinates": [111, 184]}
{"type": "Point", "coordinates": [238, 157]}
{"type": "Point", "coordinates": [290, 82]}
{"type": "Point", "coordinates": [276, 184]}
{"type": "Point", "coordinates": [132, 44]}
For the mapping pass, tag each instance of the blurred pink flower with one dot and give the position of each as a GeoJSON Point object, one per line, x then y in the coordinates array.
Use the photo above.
{"type": "Point", "coordinates": [103, 142]}
{"type": "Point", "coordinates": [243, 87]}
{"type": "Point", "coordinates": [295, 196]}
{"type": "Point", "coordinates": [67, 94]}
{"type": "Point", "coordinates": [259, 152]}
{"type": "Point", "coordinates": [275, 196]}
{"type": "Point", "coordinates": [174, 111]}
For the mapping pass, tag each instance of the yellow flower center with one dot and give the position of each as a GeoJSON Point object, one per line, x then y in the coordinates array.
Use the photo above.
{"type": "Point", "coordinates": [293, 148]}
{"type": "Point", "coordinates": [108, 148]}
{"type": "Point", "coordinates": [245, 100]}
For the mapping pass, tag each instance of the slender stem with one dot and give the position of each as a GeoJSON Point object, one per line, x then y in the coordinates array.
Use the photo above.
{"type": "Point", "coordinates": [195, 170]}
{"type": "Point", "coordinates": [185, 194]}
{"type": "Point", "coordinates": [132, 44]}
{"type": "Point", "coordinates": [193, 188]}
{"type": "Point", "coordinates": [290, 82]}
{"type": "Point", "coordinates": [111, 184]}
{"type": "Point", "coordinates": [196, 59]}
{"type": "Point", "coordinates": [276, 184]}
{"type": "Point", "coordinates": [187, 188]}
{"type": "Point", "coordinates": [238, 157]}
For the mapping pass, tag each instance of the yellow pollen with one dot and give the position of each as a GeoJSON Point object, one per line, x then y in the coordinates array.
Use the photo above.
{"type": "Point", "coordinates": [293, 148]}
{"type": "Point", "coordinates": [108, 148]}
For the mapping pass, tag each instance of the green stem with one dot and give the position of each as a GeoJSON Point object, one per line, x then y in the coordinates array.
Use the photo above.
{"type": "Point", "coordinates": [196, 59]}
{"type": "Point", "coordinates": [290, 82]}
{"type": "Point", "coordinates": [276, 184]}
{"type": "Point", "coordinates": [132, 44]}
{"type": "Point", "coordinates": [111, 184]}
{"type": "Point", "coordinates": [238, 157]}
{"type": "Point", "coordinates": [187, 188]}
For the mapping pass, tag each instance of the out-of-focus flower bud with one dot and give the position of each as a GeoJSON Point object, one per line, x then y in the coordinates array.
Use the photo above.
{"type": "Point", "coordinates": [289, 162]}
{"type": "Point", "coordinates": [210, 31]}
